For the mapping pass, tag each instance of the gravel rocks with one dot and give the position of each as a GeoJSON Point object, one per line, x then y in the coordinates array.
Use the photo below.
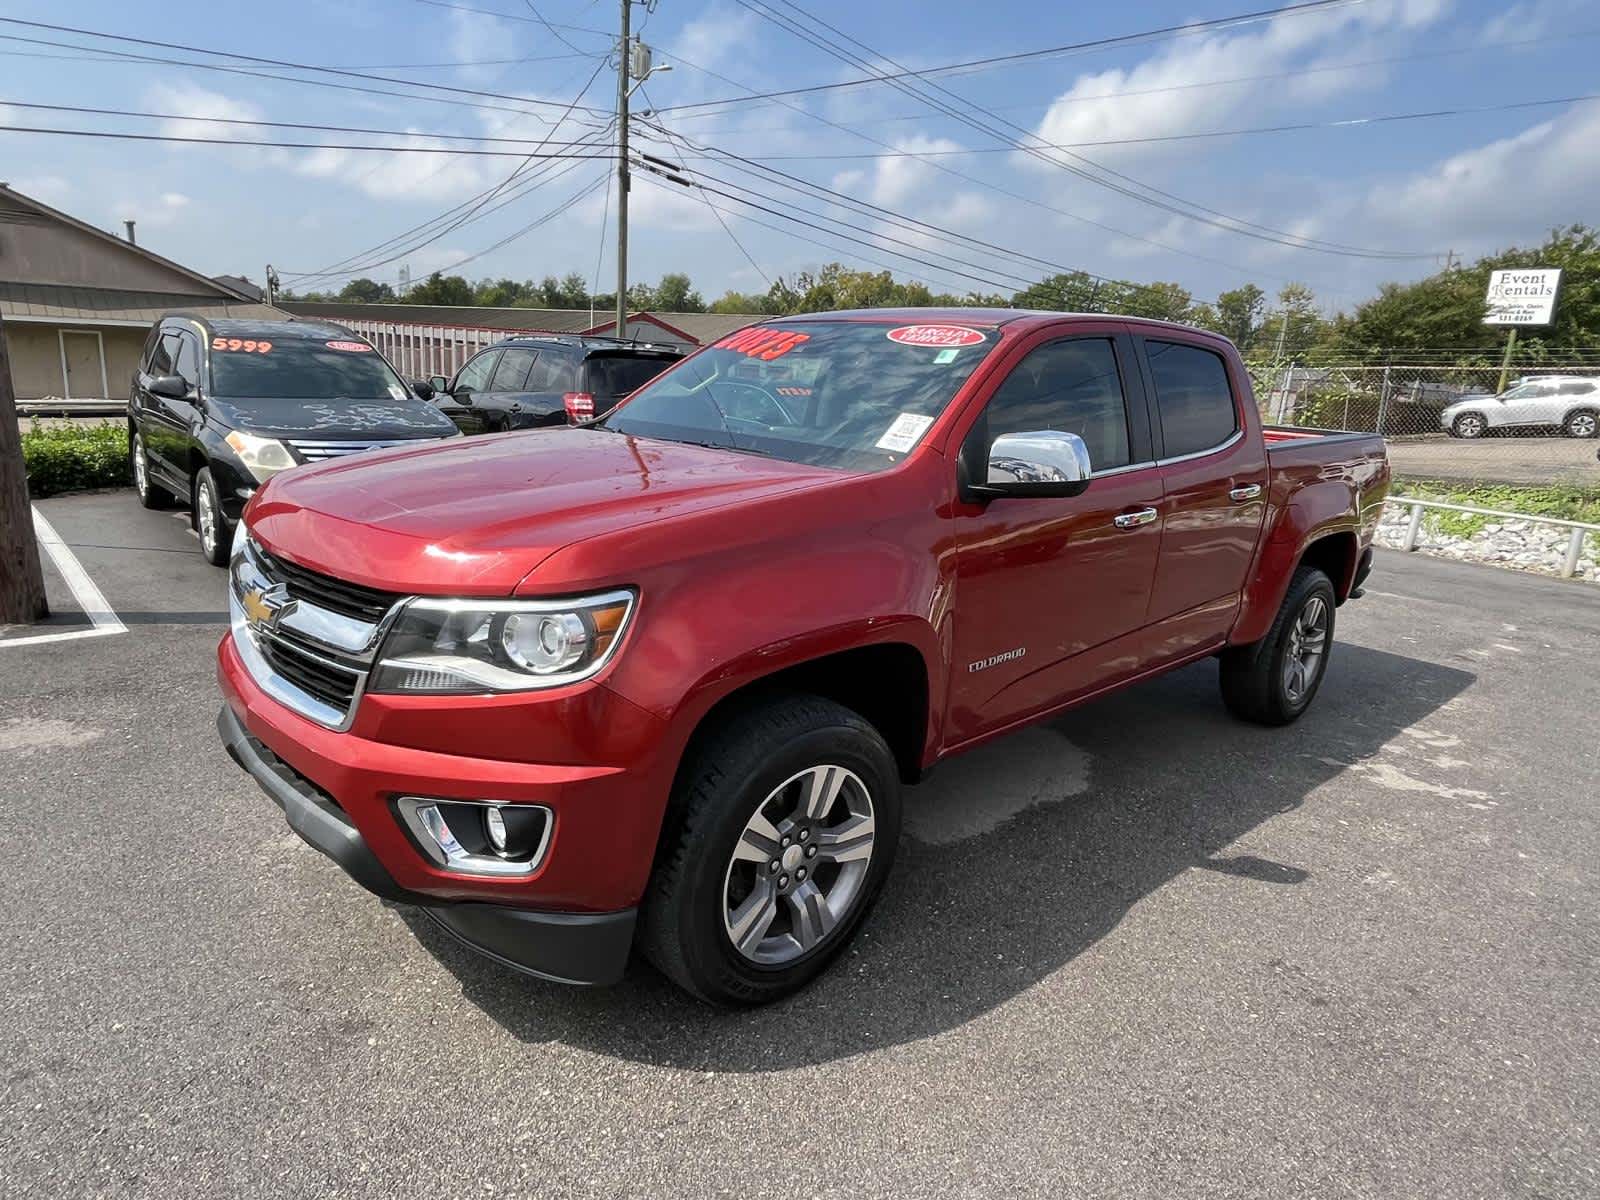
{"type": "Point", "coordinates": [1521, 545]}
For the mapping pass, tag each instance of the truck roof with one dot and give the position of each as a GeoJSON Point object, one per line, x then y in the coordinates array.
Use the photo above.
{"type": "Point", "coordinates": [991, 318]}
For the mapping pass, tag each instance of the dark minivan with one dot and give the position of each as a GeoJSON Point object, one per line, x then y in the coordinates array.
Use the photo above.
{"type": "Point", "coordinates": [547, 379]}
{"type": "Point", "coordinates": [218, 407]}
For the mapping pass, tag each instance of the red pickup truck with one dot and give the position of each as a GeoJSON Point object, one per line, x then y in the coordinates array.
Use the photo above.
{"type": "Point", "coordinates": [656, 681]}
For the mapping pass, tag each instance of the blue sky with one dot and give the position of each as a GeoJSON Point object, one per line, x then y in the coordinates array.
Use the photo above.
{"type": "Point", "coordinates": [1469, 183]}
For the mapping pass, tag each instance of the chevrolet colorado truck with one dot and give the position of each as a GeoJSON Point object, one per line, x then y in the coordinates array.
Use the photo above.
{"type": "Point", "coordinates": [655, 682]}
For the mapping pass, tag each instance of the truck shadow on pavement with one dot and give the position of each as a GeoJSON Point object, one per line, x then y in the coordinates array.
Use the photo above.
{"type": "Point", "coordinates": [1017, 858]}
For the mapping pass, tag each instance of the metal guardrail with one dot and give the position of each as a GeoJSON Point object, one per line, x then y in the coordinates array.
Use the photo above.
{"type": "Point", "coordinates": [1580, 529]}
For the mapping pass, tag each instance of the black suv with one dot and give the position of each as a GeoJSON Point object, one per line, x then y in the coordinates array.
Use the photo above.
{"type": "Point", "coordinates": [547, 379]}
{"type": "Point", "coordinates": [220, 406]}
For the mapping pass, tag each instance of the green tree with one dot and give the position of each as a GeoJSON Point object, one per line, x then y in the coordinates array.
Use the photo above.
{"type": "Point", "coordinates": [500, 293]}
{"type": "Point", "coordinates": [1236, 315]}
{"type": "Point", "coordinates": [440, 289]}
{"type": "Point", "coordinates": [675, 294]}
{"type": "Point", "coordinates": [366, 291]}
{"type": "Point", "coordinates": [1293, 326]}
{"type": "Point", "coordinates": [1445, 310]}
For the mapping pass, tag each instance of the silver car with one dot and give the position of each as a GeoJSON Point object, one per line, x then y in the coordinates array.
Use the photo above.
{"type": "Point", "coordinates": [1570, 403]}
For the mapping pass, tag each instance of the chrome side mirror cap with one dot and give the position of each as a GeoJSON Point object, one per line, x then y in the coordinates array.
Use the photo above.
{"type": "Point", "coordinates": [1045, 463]}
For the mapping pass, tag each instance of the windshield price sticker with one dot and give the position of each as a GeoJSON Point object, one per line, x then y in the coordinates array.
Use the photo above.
{"type": "Point", "coordinates": [939, 337]}
{"type": "Point", "coordinates": [350, 347]}
{"type": "Point", "coordinates": [244, 345]}
{"type": "Point", "coordinates": [904, 432]}
{"type": "Point", "coordinates": [764, 343]}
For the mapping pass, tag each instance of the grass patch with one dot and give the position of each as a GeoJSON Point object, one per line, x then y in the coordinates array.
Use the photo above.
{"type": "Point", "coordinates": [1564, 502]}
{"type": "Point", "coordinates": [69, 457]}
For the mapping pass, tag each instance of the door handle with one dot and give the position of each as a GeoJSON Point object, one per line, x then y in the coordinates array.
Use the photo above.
{"type": "Point", "coordinates": [1135, 519]}
{"type": "Point", "coordinates": [1247, 492]}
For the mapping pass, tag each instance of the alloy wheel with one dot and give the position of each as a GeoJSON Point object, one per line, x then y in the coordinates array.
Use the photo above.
{"type": "Point", "coordinates": [1582, 425]}
{"type": "Point", "coordinates": [1308, 643]}
{"type": "Point", "coordinates": [206, 518]}
{"type": "Point", "coordinates": [1469, 426]}
{"type": "Point", "coordinates": [799, 866]}
{"type": "Point", "coordinates": [141, 472]}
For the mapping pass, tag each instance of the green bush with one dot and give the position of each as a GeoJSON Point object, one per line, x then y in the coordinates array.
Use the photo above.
{"type": "Point", "coordinates": [69, 457]}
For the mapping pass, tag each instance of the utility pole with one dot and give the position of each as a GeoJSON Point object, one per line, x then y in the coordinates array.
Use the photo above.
{"type": "Point", "coordinates": [1505, 363]}
{"type": "Point", "coordinates": [623, 90]}
{"type": "Point", "coordinates": [21, 581]}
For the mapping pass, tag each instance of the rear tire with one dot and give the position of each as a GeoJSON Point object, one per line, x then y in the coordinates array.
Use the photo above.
{"type": "Point", "coordinates": [1260, 682]}
{"type": "Point", "coordinates": [756, 891]}
{"type": "Point", "coordinates": [210, 522]}
{"type": "Point", "coordinates": [1583, 423]}
{"type": "Point", "coordinates": [150, 493]}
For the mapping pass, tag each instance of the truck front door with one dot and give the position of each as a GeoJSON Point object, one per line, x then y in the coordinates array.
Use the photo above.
{"type": "Point", "coordinates": [1051, 594]}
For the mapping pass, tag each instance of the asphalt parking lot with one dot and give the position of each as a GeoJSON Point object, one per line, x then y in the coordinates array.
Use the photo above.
{"type": "Point", "coordinates": [1140, 951]}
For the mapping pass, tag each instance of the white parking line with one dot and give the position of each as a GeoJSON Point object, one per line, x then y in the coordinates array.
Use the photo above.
{"type": "Point", "coordinates": [101, 616]}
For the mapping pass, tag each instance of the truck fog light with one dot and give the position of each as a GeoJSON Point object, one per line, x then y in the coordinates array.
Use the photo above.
{"type": "Point", "coordinates": [495, 822]}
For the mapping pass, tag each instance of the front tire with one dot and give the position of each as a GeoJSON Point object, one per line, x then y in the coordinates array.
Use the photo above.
{"type": "Point", "coordinates": [1584, 423]}
{"type": "Point", "coordinates": [210, 522]}
{"type": "Point", "coordinates": [1273, 681]}
{"type": "Point", "coordinates": [1470, 425]}
{"type": "Point", "coordinates": [782, 832]}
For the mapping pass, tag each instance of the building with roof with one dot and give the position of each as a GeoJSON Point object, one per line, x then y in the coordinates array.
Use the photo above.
{"type": "Point", "coordinates": [77, 303]}
{"type": "Point", "coordinates": [397, 328]}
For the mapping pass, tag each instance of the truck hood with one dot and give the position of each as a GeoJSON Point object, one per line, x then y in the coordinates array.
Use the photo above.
{"type": "Point", "coordinates": [331, 420]}
{"type": "Point", "coordinates": [473, 516]}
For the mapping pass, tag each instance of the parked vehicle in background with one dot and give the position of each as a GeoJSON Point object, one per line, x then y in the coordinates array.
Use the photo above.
{"type": "Point", "coordinates": [218, 407]}
{"type": "Point", "coordinates": [1570, 403]}
{"type": "Point", "coordinates": [666, 673]}
{"type": "Point", "coordinates": [547, 379]}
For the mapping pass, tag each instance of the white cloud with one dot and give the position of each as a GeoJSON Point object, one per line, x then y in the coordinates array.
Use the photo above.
{"type": "Point", "coordinates": [189, 104]}
{"type": "Point", "coordinates": [1158, 98]}
{"type": "Point", "coordinates": [426, 173]}
{"type": "Point", "coordinates": [49, 189]}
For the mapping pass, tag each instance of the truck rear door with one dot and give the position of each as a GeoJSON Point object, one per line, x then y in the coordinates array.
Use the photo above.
{"type": "Point", "coordinates": [1214, 476]}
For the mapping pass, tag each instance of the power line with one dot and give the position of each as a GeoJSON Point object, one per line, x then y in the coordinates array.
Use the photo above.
{"type": "Point", "coordinates": [1346, 123]}
{"type": "Point", "coordinates": [990, 185]}
{"type": "Point", "coordinates": [1090, 170]}
{"type": "Point", "coordinates": [505, 16]}
{"type": "Point", "coordinates": [161, 137]}
{"type": "Point", "coordinates": [278, 62]}
{"type": "Point", "coordinates": [1186, 30]}
{"type": "Point", "coordinates": [421, 133]}
{"type": "Point", "coordinates": [1092, 97]}
{"type": "Point", "coordinates": [190, 64]}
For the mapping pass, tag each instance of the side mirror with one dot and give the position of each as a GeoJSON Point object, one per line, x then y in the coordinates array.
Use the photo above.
{"type": "Point", "coordinates": [439, 383]}
{"type": "Point", "coordinates": [1042, 464]}
{"type": "Point", "coordinates": [423, 388]}
{"type": "Point", "coordinates": [173, 387]}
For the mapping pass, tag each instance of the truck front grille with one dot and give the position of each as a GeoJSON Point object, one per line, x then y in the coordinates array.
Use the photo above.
{"type": "Point", "coordinates": [348, 599]}
{"type": "Point", "coordinates": [313, 674]}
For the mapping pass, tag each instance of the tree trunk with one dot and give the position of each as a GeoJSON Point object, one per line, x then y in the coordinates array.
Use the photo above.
{"type": "Point", "coordinates": [21, 582]}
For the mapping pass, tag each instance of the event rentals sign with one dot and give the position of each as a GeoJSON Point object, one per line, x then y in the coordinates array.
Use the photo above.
{"type": "Point", "coordinates": [1522, 297]}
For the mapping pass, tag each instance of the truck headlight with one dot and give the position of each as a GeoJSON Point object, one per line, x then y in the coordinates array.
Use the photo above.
{"type": "Point", "coordinates": [264, 457]}
{"type": "Point", "coordinates": [463, 646]}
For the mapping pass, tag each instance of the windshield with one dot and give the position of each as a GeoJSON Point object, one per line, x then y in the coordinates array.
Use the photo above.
{"type": "Point", "coordinates": [848, 394]}
{"type": "Point", "coordinates": [301, 369]}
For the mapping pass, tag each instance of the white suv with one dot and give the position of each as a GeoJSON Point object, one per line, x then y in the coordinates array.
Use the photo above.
{"type": "Point", "coordinates": [1567, 402]}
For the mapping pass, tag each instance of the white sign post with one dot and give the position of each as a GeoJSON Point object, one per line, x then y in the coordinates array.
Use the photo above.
{"type": "Point", "coordinates": [1519, 298]}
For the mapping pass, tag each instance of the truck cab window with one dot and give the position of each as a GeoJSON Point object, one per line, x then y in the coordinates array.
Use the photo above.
{"type": "Point", "coordinates": [162, 354]}
{"type": "Point", "coordinates": [1192, 396]}
{"type": "Point", "coordinates": [1072, 387]}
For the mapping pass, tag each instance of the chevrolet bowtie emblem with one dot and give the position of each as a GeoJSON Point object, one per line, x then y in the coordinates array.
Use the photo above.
{"type": "Point", "coordinates": [264, 605]}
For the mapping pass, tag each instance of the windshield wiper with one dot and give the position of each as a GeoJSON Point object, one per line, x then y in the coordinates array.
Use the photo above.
{"type": "Point", "coordinates": [737, 449]}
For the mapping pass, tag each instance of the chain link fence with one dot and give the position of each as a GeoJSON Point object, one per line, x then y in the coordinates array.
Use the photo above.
{"type": "Point", "coordinates": [1451, 423]}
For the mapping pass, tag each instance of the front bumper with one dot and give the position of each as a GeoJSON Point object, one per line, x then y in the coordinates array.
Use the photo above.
{"type": "Point", "coordinates": [567, 947]}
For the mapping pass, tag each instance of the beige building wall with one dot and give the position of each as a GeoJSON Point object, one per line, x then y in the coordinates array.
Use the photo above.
{"type": "Point", "coordinates": [35, 353]}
